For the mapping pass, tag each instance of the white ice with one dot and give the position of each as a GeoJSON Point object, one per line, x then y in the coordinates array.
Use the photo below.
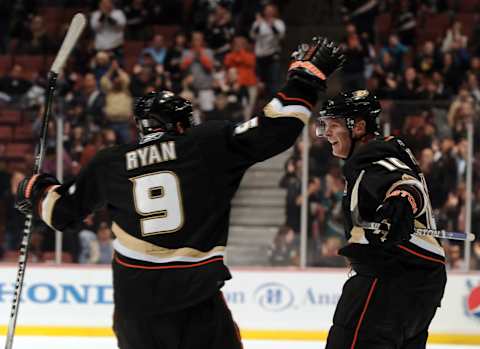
{"type": "Point", "coordinates": [23, 342]}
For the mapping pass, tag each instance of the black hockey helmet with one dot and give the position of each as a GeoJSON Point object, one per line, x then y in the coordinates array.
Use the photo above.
{"type": "Point", "coordinates": [350, 105]}
{"type": "Point", "coordinates": [160, 111]}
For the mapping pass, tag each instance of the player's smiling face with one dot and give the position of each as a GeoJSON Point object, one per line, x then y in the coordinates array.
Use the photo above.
{"type": "Point", "coordinates": [338, 136]}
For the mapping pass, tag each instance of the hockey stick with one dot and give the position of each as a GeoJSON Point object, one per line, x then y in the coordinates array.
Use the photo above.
{"type": "Point", "coordinates": [384, 228]}
{"type": "Point", "coordinates": [76, 27]}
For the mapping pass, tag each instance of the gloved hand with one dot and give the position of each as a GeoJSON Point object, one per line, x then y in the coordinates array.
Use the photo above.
{"type": "Point", "coordinates": [30, 189]}
{"type": "Point", "coordinates": [397, 211]}
{"type": "Point", "coordinates": [312, 63]}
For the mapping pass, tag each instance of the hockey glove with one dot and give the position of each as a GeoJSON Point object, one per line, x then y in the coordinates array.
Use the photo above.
{"type": "Point", "coordinates": [30, 189]}
{"type": "Point", "coordinates": [314, 62]}
{"type": "Point", "coordinates": [397, 211]}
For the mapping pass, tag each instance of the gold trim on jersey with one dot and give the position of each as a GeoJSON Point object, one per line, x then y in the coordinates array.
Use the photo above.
{"type": "Point", "coordinates": [410, 180]}
{"type": "Point", "coordinates": [436, 246]}
{"type": "Point", "coordinates": [429, 243]}
{"type": "Point", "coordinates": [275, 109]}
{"type": "Point", "coordinates": [48, 204]}
{"type": "Point", "coordinates": [144, 247]}
{"type": "Point", "coordinates": [357, 235]}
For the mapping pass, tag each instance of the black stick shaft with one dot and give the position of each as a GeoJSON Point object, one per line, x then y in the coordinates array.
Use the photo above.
{"type": "Point", "coordinates": [27, 231]}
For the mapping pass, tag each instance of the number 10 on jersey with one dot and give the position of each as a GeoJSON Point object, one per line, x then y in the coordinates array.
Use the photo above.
{"type": "Point", "coordinates": [158, 199]}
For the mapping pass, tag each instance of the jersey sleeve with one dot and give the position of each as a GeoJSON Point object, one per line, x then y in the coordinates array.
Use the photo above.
{"type": "Point", "coordinates": [270, 133]}
{"type": "Point", "coordinates": [389, 175]}
{"type": "Point", "coordinates": [65, 204]}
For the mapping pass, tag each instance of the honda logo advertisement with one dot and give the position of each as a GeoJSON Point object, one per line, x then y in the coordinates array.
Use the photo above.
{"type": "Point", "coordinates": [260, 300]}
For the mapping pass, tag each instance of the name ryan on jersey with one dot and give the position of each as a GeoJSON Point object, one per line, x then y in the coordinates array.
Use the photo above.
{"type": "Point", "coordinates": [150, 155]}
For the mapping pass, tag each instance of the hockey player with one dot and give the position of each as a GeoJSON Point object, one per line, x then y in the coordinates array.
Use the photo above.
{"type": "Point", "coordinates": [169, 197]}
{"type": "Point", "coordinates": [399, 277]}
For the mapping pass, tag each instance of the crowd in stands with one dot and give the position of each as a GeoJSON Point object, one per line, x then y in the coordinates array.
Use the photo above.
{"type": "Point", "coordinates": [198, 49]}
{"type": "Point", "coordinates": [427, 77]}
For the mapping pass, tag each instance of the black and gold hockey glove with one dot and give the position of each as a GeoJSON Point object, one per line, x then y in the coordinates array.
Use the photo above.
{"type": "Point", "coordinates": [30, 189]}
{"type": "Point", "coordinates": [312, 63]}
{"type": "Point", "coordinates": [398, 211]}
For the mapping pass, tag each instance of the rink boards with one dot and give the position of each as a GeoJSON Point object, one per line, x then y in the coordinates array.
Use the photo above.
{"type": "Point", "coordinates": [283, 304]}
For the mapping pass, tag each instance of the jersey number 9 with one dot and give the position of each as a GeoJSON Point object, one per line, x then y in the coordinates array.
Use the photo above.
{"type": "Point", "coordinates": [158, 199]}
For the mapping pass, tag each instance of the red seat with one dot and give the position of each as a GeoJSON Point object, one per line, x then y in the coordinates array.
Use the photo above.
{"type": "Point", "coordinates": [23, 133]}
{"type": "Point", "coordinates": [435, 26]}
{"type": "Point", "coordinates": [130, 62]}
{"type": "Point", "coordinates": [468, 5]}
{"type": "Point", "coordinates": [17, 150]}
{"type": "Point", "coordinates": [19, 165]}
{"type": "Point", "coordinates": [133, 48]}
{"type": "Point", "coordinates": [51, 18]}
{"type": "Point", "coordinates": [31, 64]}
{"type": "Point", "coordinates": [168, 32]}
{"type": "Point", "coordinates": [49, 257]}
{"type": "Point", "coordinates": [468, 23]}
{"type": "Point", "coordinates": [10, 116]}
{"type": "Point", "coordinates": [5, 64]}
{"type": "Point", "coordinates": [12, 257]}
{"type": "Point", "coordinates": [5, 133]}
{"type": "Point", "coordinates": [383, 24]}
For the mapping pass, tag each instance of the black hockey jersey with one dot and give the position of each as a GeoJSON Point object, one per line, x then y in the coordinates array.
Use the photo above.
{"type": "Point", "coordinates": [373, 171]}
{"type": "Point", "coordinates": [169, 200]}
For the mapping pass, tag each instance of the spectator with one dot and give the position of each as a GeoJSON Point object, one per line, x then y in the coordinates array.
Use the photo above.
{"type": "Point", "coordinates": [157, 50]}
{"type": "Point", "coordinates": [472, 85]}
{"type": "Point", "coordinates": [118, 101]}
{"type": "Point", "coordinates": [427, 60]}
{"type": "Point", "coordinates": [428, 91]}
{"type": "Point", "coordinates": [460, 113]}
{"type": "Point", "coordinates": [137, 21]}
{"type": "Point", "coordinates": [109, 137]}
{"type": "Point", "coordinates": [384, 77]}
{"type": "Point", "coordinates": [100, 64]}
{"type": "Point", "coordinates": [199, 14]}
{"type": "Point", "coordinates": [285, 248]}
{"type": "Point", "coordinates": [418, 132]}
{"type": "Point", "coordinates": [454, 35]}
{"type": "Point", "coordinates": [451, 71]}
{"type": "Point", "coordinates": [50, 162]}
{"type": "Point", "coordinates": [14, 220]}
{"type": "Point", "coordinates": [243, 60]}
{"type": "Point", "coordinates": [76, 142]}
{"type": "Point", "coordinates": [108, 25]}
{"type": "Point", "coordinates": [362, 13]}
{"type": "Point", "coordinates": [92, 147]}
{"type": "Point", "coordinates": [174, 59]}
{"type": "Point", "coordinates": [268, 31]}
{"type": "Point", "coordinates": [356, 54]}
{"type": "Point", "coordinates": [475, 66]}
{"type": "Point", "coordinates": [14, 86]}
{"type": "Point", "coordinates": [396, 50]}
{"type": "Point", "coordinates": [328, 256]}
{"type": "Point", "coordinates": [93, 100]}
{"type": "Point", "coordinates": [405, 23]}
{"type": "Point", "coordinates": [409, 86]}
{"type": "Point", "coordinates": [455, 257]}
{"type": "Point", "coordinates": [331, 204]}
{"type": "Point", "coordinates": [88, 249]}
{"type": "Point", "coordinates": [105, 247]}
{"type": "Point", "coordinates": [142, 78]}
{"type": "Point", "coordinates": [220, 31]}
{"type": "Point", "coordinates": [442, 89]}
{"type": "Point", "coordinates": [35, 40]}
{"type": "Point", "coordinates": [198, 61]}
{"type": "Point", "coordinates": [292, 182]}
